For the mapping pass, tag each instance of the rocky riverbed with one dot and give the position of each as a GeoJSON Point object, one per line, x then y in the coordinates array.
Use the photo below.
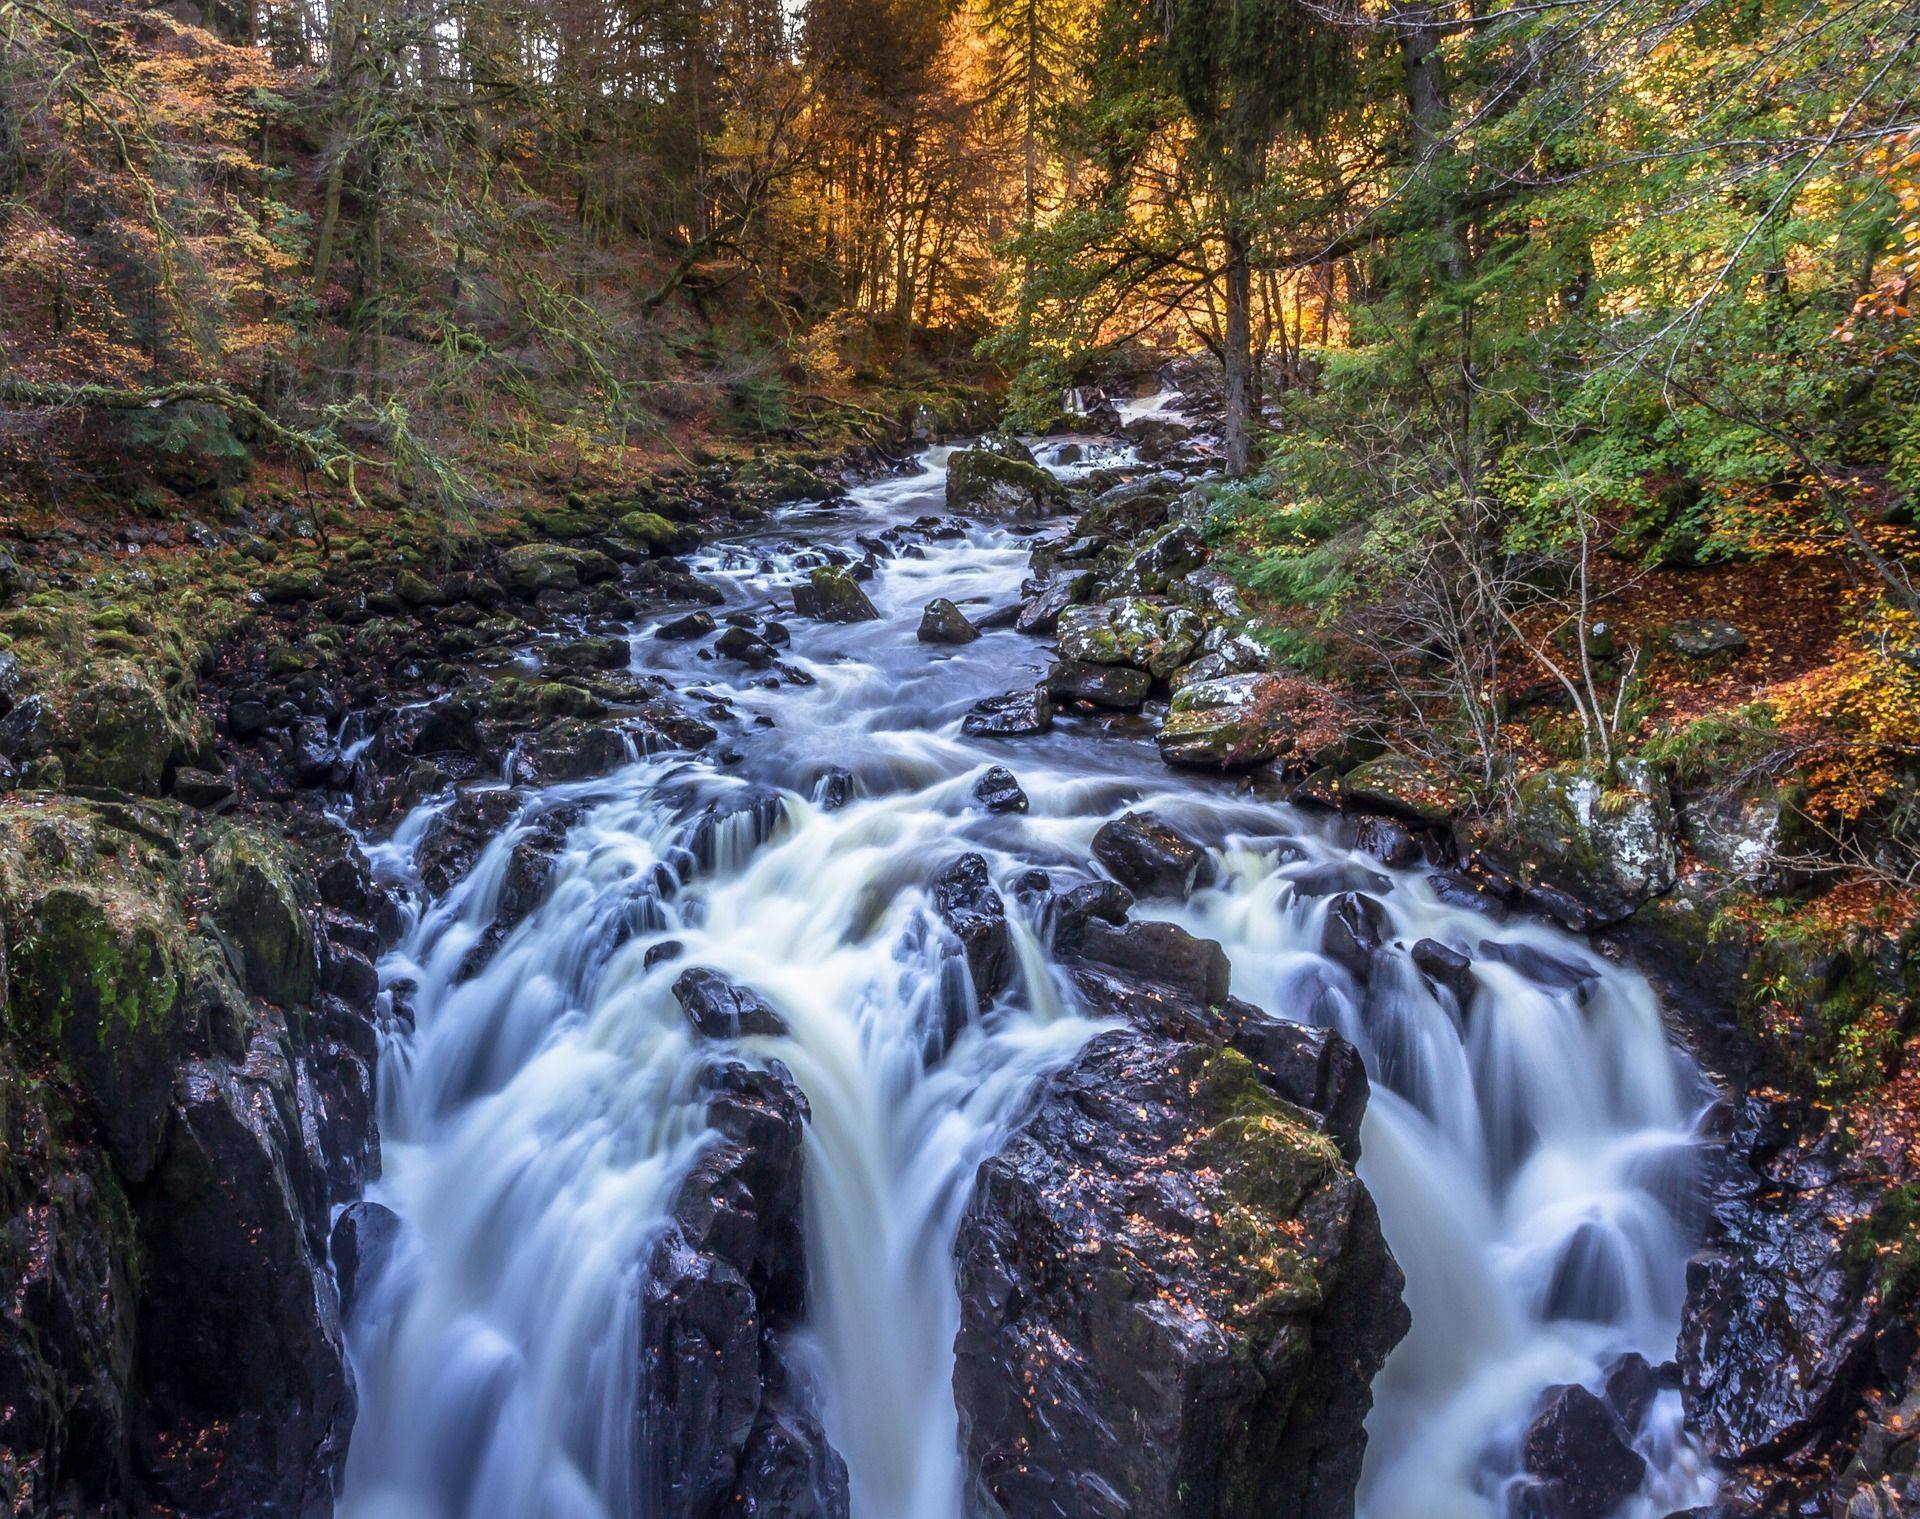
{"type": "Point", "coordinates": [1143, 1265]}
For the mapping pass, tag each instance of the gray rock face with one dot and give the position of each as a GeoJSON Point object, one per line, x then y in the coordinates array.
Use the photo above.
{"type": "Point", "coordinates": [1226, 1311]}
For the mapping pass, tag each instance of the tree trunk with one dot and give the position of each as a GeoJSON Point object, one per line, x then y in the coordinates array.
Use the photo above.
{"type": "Point", "coordinates": [1239, 351]}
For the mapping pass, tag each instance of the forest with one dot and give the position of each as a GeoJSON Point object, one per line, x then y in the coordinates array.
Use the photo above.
{"type": "Point", "coordinates": [1477, 440]}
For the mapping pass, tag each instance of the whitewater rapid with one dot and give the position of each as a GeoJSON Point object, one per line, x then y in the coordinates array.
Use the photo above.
{"type": "Point", "coordinates": [1534, 1152]}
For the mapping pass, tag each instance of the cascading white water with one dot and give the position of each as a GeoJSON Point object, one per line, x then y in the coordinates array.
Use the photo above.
{"type": "Point", "coordinates": [1530, 1153]}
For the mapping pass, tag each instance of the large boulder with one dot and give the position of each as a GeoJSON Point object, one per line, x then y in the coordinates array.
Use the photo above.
{"type": "Point", "coordinates": [1581, 1457]}
{"type": "Point", "coordinates": [1150, 857]}
{"type": "Point", "coordinates": [1605, 838]}
{"type": "Point", "coordinates": [1190, 1338]}
{"type": "Point", "coordinates": [119, 728]}
{"type": "Point", "coordinates": [722, 1009]}
{"type": "Point", "coordinates": [1012, 715]}
{"type": "Point", "coordinates": [715, 1430]}
{"type": "Point", "coordinates": [1119, 686]}
{"type": "Point", "coordinates": [1229, 723]}
{"type": "Point", "coordinates": [964, 899]}
{"type": "Point", "coordinates": [1154, 636]}
{"type": "Point", "coordinates": [943, 622]}
{"type": "Point", "coordinates": [535, 567]}
{"type": "Point", "coordinates": [990, 483]}
{"type": "Point", "coordinates": [1154, 569]}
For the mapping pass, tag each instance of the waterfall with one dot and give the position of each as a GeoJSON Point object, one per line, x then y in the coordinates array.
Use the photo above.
{"type": "Point", "coordinates": [1531, 1145]}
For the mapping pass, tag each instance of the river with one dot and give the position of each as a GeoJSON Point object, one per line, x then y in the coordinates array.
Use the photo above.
{"type": "Point", "coordinates": [1533, 1153]}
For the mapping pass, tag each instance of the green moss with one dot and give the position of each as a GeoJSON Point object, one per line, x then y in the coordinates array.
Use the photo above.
{"type": "Point", "coordinates": [1887, 1243]}
{"type": "Point", "coordinates": [88, 955]}
{"type": "Point", "coordinates": [257, 910]}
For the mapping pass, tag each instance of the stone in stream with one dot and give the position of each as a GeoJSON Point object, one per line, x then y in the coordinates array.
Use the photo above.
{"type": "Point", "coordinates": [964, 899]}
{"type": "Point", "coordinates": [363, 1241]}
{"type": "Point", "coordinates": [1190, 1340]}
{"type": "Point", "coordinates": [999, 482]}
{"type": "Point", "coordinates": [719, 1428]}
{"type": "Point", "coordinates": [1150, 857]}
{"type": "Point", "coordinates": [1040, 613]}
{"type": "Point", "coordinates": [999, 791]}
{"type": "Point", "coordinates": [1446, 969]}
{"type": "Point", "coordinates": [695, 624]}
{"type": "Point", "coordinates": [1013, 715]}
{"type": "Point", "coordinates": [1356, 925]}
{"type": "Point", "coordinates": [1116, 686]}
{"type": "Point", "coordinates": [1228, 723]}
{"type": "Point", "coordinates": [943, 622]}
{"type": "Point", "coordinates": [1581, 1455]}
{"type": "Point", "coordinates": [719, 1008]}
{"type": "Point", "coordinates": [1338, 876]}
{"type": "Point", "coordinates": [831, 594]}
{"type": "Point", "coordinates": [747, 648]}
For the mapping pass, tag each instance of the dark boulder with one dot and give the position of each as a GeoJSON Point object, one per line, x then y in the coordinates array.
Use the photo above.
{"type": "Point", "coordinates": [364, 1239]}
{"type": "Point", "coordinates": [1356, 926]}
{"type": "Point", "coordinates": [1340, 876]}
{"type": "Point", "coordinates": [1153, 974]}
{"type": "Point", "coordinates": [1227, 1313]}
{"type": "Point", "coordinates": [1313, 1068]}
{"type": "Point", "coordinates": [1013, 715]}
{"type": "Point", "coordinates": [722, 1009]}
{"type": "Point", "coordinates": [1445, 969]}
{"type": "Point", "coordinates": [999, 791]}
{"type": "Point", "coordinates": [964, 899]}
{"type": "Point", "coordinates": [1103, 685]}
{"type": "Point", "coordinates": [746, 647]}
{"type": "Point", "coordinates": [695, 624]}
{"type": "Point", "coordinates": [1040, 613]}
{"type": "Point", "coordinates": [1578, 1448]}
{"type": "Point", "coordinates": [1151, 858]}
{"type": "Point", "coordinates": [943, 622]}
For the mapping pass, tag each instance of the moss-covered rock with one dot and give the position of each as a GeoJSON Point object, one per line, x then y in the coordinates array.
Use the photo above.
{"type": "Point", "coordinates": [98, 979]}
{"type": "Point", "coordinates": [991, 483]}
{"type": "Point", "coordinates": [654, 533]}
{"type": "Point", "coordinates": [535, 567]}
{"type": "Point", "coordinates": [1228, 723]}
{"type": "Point", "coordinates": [257, 910]}
{"type": "Point", "coordinates": [1394, 784]}
{"type": "Point", "coordinates": [119, 728]}
{"type": "Point", "coordinates": [831, 594]}
{"type": "Point", "coordinates": [1604, 836]}
{"type": "Point", "coordinates": [1149, 635]}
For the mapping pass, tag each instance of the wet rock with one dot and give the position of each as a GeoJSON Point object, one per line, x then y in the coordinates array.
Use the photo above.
{"type": "Point", "coordinates": [1156, 567]}
{"type": "Point", "coordinates": [364, 1239]}
{"type": "Point", "coordinates": [788, 1470]}
{"type": "Point", "coordinates": [1355, 927]}
{"type": "Point", "coordinates": [258, 912]}
{"type": "Point", "coordinates": [248, 1402]}
{"type": "Point", "coordinates": [722, 1009]}
{"type": "Point", "coordinates": [1227, 1313]}
{"type": "Point", "coordinates": [992, 483]}
{"type": "Point", "coordinates": [98, 981]}
{"type": "Point", "coordinates": [1313, 1068]}
{"type": "Point", "coordinates": [1579, 1448]}
{"type": "Point", "coordinates": [747, 648]}
{"type": "Point", "coordinates": [1152, 636]}
{"type": "Point", "coordinates": [835, 789]}
{"type": "Point", "coordinates": [1151, 858]}
{"type": "Point", "coordinates": [203, 789]}
{"type": "Point", "coordinates": [1446, 969]}
{"type": "Point", "coordinates": [570, 750]}
{"type": "Point", "coordinates": [1117, 686]}
{"type": "Point", "coordinates": [719, 1285]}
{"type": "Point", "coordinates": [1070, 911]}
{"type": "Point", "coordinates": [1386, 840]}
{"type": "Point", "coordinates": [1227, 723]}
{"type": "Point", "coordinates": [1631, 1385]}
{"type": "Point", "coordinates": [1553, 973]}
{"type": "Point", "coordinates": [943, 622]}
{"type": "Point", "coordinates": [1153, 974]}
{"type": "Point", "coordinates": [999, 791]}
{"type": "Point", "coordinates": [1338, 876]}
{"type": "Point", "coordinates": [1400, 787]}
{"type": "Point", "coordinates": [590, 654]}
{"type": "Point", "coordinates": [1705, 638]}
{"type": "Point", "coordinates": [964, 899]}
{"type": "Point", "coordinates": [1040, 613]}
{"type": "Point", "coordinates": [1010, 716]}
{"type": "Point", "coordinates": [695, 624]}
{"type": "Point", "coordinates": [830, 594]}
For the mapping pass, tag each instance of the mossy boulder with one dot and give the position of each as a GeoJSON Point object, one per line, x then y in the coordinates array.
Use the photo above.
{"type": "Point", "coordinates": [1217, 1270]}
{"type": "Point", "coordinates": [1401, 787]}
{"type": "Point", "coordinates": [831, 594]}
{"type": "Point", "coordinates": [535, 567]}
{"type": "Point", "coordinates": [120, 727]}
{"type": "Point", "coordinates": [257, 911]}
{"type": "Point", "coordinates": [989, 483]}
{"type": "Point", "coordinates": [1149, 635]}
{"type": "Point", "coordinates": [655, 534]}
{"type": "Point", "coordinates": [1604, 837]}
{"type": "Point", "coordinates": [1229, 723]}
{"type": "Point", "coordinates": [97, 977]}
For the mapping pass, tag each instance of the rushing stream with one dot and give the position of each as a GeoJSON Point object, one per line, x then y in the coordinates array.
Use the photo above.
{"type": "Point", "coordinates": [1532, 1153]}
